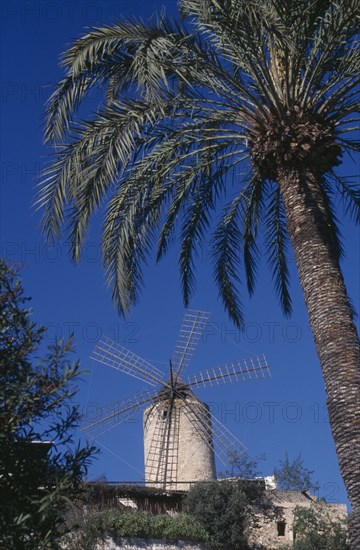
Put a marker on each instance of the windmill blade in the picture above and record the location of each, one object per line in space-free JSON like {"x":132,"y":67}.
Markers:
{"x":213,"y":432}
{"x":225,"y":442}
{"x":253,"y":368}
{"x":154,"y":460}
{"x":117,"y":412}
{"x":161,"y":462}
{"x":116,"y":415}
{"x":117,"y":357}
{"x":190,"y":332}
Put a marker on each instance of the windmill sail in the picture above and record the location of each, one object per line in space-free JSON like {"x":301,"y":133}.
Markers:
{"x":237,"y":371}
{"x":161,"y":460}
{"x":215,"y":434}
{"x":117,"y":412}
{"x":117,"y":357}
{"x":192,"y":328}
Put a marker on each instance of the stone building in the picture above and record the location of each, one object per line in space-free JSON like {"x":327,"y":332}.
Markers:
{"x":275,"y":529}
{"x":271,"y":529}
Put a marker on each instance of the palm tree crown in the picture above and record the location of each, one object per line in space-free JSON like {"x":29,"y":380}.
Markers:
{"x":269,"y":85}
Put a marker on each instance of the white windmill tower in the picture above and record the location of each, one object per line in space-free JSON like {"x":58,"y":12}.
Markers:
{"x":181,"y":437}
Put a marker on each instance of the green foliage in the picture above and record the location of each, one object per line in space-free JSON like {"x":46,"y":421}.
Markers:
{"x":224,"y":509}
{"x":316,"y":529}
{"x":184,"y":526}
{"x":36,"y":486}
{"x":242,"y":465}
{"x":293,"y":476}
{"x":97,"y":525}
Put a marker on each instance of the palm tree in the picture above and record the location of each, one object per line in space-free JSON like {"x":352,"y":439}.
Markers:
{"x":251,"y":100}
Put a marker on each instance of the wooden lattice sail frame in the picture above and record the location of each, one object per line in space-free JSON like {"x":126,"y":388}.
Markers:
{"x":181,"y":437}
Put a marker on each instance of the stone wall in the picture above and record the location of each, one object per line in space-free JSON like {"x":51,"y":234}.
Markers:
{"x":275,"y":529}
{"x":150,"y":544}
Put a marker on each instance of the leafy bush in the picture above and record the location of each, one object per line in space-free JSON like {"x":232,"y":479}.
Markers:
{"x":97,"y":526}
{"x":224,"y":509}
{"x":184,"y":526}
{"x":315,"y":529}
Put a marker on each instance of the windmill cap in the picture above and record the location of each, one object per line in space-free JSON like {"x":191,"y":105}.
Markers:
{"x":180,"y":386}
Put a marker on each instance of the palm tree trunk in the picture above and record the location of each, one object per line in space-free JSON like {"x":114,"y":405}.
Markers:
{"x":331,"y":320}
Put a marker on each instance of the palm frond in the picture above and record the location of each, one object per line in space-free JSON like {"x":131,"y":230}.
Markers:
{"x":86,"y":168}
{"x":193,"y":233}
{"x":119,"y":58}
{"x":277,"y":245}
{"x":226,"y":243}
{"x":238,"y":31}
{"x":330,"y":48}
{"x":349,"y":194}
{"x":127,"y":239}
{"x":252,"y":205}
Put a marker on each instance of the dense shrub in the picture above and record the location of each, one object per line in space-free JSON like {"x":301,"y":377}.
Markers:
{"x":316,"y":529}
{"x":186,"y":527}
{"x":132,"y":524}
{"x":224,"y":509}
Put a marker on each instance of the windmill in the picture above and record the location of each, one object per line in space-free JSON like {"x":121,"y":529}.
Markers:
{"x":181,"y":437}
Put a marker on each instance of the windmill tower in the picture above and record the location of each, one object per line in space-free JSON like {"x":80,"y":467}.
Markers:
{"x":176,"y":447}
{"x":181,"y":437}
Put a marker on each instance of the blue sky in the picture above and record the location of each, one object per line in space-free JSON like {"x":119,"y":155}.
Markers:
{"x":286,"y":413}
